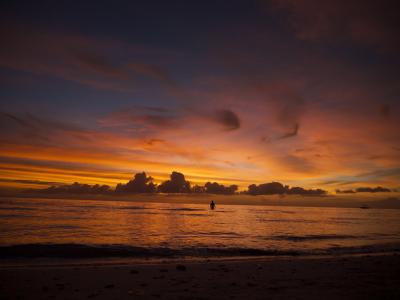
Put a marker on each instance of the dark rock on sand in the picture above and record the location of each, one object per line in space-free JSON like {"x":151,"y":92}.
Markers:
{"x":181,"y":268}
{"x":93,"y":295}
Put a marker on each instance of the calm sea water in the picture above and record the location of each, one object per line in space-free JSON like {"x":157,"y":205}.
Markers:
{"x":86,"y":228}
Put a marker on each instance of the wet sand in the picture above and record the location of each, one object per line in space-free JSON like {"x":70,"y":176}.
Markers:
{"x":344,"y":277}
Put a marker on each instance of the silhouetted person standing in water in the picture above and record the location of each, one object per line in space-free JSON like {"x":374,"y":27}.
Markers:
{"x":212,"y":204}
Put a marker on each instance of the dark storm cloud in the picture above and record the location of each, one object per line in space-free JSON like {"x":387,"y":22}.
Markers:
{"x":228,"y":119}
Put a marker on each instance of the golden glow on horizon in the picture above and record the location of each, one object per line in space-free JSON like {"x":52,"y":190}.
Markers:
{"x":299,"y":108}
{"x":330,"y":151}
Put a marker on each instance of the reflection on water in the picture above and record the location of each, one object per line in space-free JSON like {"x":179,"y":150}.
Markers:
{"x":181,"y":226}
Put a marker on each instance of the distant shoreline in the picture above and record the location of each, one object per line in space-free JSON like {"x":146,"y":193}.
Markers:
{"x":390,"y":201}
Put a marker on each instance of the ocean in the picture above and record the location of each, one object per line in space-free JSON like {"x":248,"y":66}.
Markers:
{"x":61,"y":228}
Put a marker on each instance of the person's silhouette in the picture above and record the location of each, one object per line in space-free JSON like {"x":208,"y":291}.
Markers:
{"x":212,"y":204}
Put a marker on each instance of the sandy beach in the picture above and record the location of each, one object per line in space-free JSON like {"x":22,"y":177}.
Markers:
{"x":340,"y":277}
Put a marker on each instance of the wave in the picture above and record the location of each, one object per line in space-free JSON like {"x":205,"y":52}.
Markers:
{"x":194,"y":215}
{"x":273,"y":210}
{"x":312,"y":237}
{"x":9,"y":216}
{"x":16,"y":208}
{"x":132,"y":207}
{"x":61,"y":226}
{"x":144,"y":213}
{"x":124,"y":251}
{"x":303,"y":221}
{"x":183,"y":209}
{"x":96,"y":251}
{"x":218,"y":234}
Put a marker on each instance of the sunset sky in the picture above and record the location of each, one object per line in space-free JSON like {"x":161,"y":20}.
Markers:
{"x":302,"y":92}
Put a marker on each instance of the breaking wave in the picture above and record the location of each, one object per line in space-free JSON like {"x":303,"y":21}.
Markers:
{"x":104,"y":251}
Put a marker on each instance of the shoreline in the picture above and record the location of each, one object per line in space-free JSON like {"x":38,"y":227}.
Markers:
{"x":97,"y":254}
{"x":386,"y":201}
{"x":335,"y":277}
{"x":126,"y":262}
